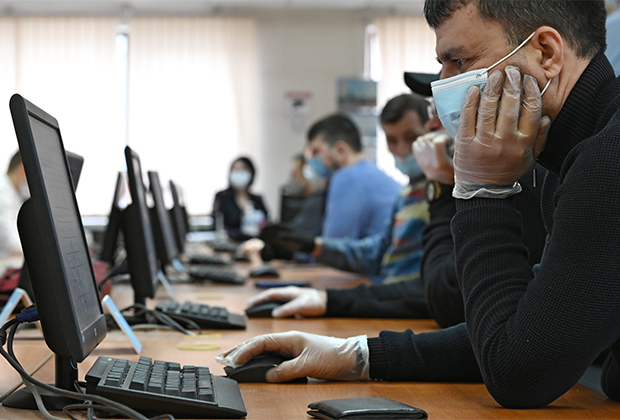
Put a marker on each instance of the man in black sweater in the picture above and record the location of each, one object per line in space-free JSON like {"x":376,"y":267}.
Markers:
{"x":529,"y":334}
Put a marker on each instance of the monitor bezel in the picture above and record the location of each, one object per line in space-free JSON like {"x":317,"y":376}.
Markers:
{"x":113,"y":229}
{"x":178,"y":216}
{"x":138,"y":234}
{"x":42,"y":250}
{"x":163,"y":233}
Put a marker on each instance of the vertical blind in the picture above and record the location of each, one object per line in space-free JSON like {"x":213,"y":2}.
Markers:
{"x":191,"y":88}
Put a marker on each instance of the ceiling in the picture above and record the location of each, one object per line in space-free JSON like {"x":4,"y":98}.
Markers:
{"x":192,"y":7}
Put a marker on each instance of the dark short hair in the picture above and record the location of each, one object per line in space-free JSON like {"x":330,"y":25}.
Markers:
{"x":14,"y":163}
{"x":334,"y":128}
{"x":247,"y":162}
{"x":580,"y":22}
{"x":396,"y":108}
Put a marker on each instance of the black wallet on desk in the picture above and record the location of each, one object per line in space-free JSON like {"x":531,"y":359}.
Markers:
{"x":364,"y":409}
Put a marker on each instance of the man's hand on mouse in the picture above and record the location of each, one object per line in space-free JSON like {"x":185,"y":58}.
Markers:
{"x":299,"y":301}
{"x":314,"y":356}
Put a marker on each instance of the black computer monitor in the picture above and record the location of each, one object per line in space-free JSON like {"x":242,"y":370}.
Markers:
{"x":138,"y":234}
{"x":55,"y":250}
{"x":178,"y":215}
{"x":109,"y":247}
{"x":75,"y":168}
{"x":165,"y":243}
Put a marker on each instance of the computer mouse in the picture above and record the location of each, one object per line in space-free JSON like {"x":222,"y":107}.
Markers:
{"x":264,"y":271}
{"x":263,"y":310}
{"x":256,"y":368}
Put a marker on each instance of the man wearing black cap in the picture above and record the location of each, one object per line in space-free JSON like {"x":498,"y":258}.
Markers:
{"x":435,"y":293}
{"x":530,"y":334}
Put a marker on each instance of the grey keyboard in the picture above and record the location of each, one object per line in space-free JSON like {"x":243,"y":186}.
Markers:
{"x":205,"y":316}
{"x":159,"y":387}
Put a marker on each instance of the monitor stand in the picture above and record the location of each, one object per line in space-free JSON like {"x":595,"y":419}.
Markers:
{"x":66,"y":377}
{"x":166,"y":283}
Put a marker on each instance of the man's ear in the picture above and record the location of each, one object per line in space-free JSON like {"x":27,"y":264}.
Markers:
{"x":342,"y":148}
{"x":550,"y":46}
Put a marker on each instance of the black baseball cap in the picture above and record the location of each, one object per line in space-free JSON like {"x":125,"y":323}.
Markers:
{"x":420,"y":83}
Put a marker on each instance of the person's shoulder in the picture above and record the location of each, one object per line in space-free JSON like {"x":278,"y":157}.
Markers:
{"x":224,"y":194}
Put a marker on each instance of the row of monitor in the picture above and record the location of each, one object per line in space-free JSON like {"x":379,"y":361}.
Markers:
{"x":153,"y":236}
{"x":55,"y":249}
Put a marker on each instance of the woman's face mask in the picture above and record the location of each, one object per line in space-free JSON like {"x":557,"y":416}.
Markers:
{"x":449,"y":94}
{"x":24,"y":191}
{"x":240,"y":179}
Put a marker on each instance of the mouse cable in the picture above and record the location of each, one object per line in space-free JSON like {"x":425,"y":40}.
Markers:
{"x":31,"y":382}
{"x":112,"y":271}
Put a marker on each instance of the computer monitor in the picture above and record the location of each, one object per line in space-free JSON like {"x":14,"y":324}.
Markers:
{"x":75,"y":168}
{"x":111,"y":236}
{"x":55,"y":250}
{"x":165,"y":243}
{"x":138,"y":234}
{"x":178,"y":215}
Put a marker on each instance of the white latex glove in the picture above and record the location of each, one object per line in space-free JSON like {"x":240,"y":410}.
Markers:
{"x":494,"y":149}
{"x":252,"y":248}
{"x":314,"y":356}
{"x":431,"y":153}
{"x":300,"y":301}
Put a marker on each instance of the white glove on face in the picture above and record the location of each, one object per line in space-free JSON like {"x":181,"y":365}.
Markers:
{"x":432,"y":154}
{"x":501,"y":133}
{"x":315,"y":356}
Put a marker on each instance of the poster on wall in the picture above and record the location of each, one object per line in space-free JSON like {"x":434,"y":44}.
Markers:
{"x":358,"y":99}
{"x":298,"y":107}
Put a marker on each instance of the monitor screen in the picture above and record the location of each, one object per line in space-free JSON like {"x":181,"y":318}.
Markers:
{"x":165,"y":242}
{"x":138,"y":234}
{"x":178,"y":216}
{"x":53,"y":240}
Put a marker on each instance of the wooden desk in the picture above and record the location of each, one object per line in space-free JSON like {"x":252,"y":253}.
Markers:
{"x":289,"y":402}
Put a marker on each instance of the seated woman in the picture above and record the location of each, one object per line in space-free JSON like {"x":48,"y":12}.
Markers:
{"x":242,"y":213}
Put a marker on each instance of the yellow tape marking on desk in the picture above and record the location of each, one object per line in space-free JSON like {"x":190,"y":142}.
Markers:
{"x":212,"y":335}
{"x":209,"y":296}
{"x":199,"y":347}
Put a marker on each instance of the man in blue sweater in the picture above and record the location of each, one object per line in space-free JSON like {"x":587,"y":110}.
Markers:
{"x":393,"y":254}
{"x":530,"y":334}
{"x":360,"y":196}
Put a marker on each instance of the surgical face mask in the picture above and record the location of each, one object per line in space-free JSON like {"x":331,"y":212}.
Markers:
{"x":240,"y":179}
{"x":315,"y":181}
{"x":24,"y":191}
{"x":449,"y":94}
{"x":408,"y":165}
{"x":319,"y":168}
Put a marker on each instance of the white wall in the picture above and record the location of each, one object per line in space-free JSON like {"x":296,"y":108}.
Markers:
{"x":299,"y":51}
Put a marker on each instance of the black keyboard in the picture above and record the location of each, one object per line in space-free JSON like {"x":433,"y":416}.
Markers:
{"x":204,"y":315}
{"x":209,"y":259}
{"x":155,"y":388}
{"x":217,"y":274}
{"x":223,"y":245}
